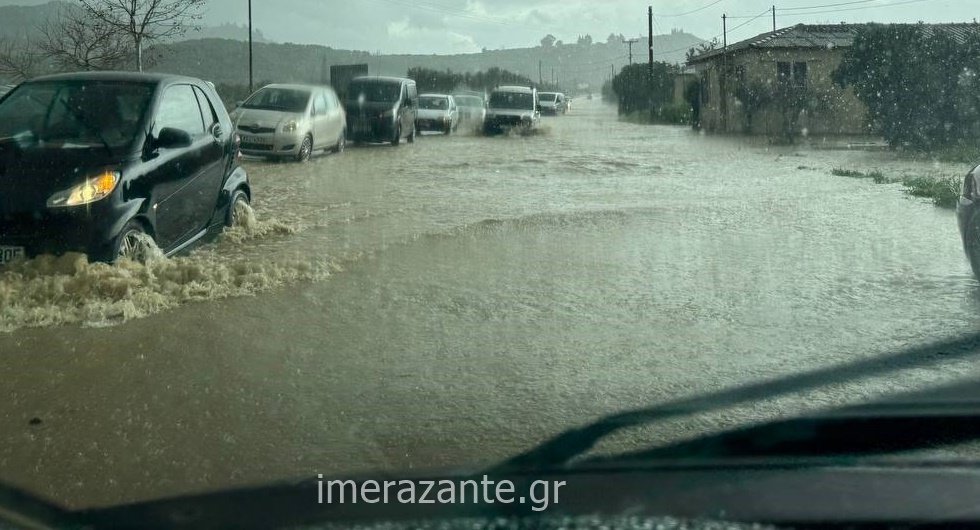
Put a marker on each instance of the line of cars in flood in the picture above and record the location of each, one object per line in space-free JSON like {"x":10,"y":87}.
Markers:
{"x":103,"y":163}
{"x":293,"y":121}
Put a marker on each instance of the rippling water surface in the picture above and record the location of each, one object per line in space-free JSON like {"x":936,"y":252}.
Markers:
{"x":452,"y":302}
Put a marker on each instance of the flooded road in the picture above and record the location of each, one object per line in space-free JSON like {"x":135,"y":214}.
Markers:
{"x":453,"y":302}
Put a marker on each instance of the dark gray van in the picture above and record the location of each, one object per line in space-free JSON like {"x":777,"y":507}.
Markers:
{"x":381,"y":109}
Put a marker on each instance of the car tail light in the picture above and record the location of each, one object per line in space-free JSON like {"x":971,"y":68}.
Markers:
{"x":238,"y":146}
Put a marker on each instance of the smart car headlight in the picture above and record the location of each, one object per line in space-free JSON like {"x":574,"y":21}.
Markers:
{"x":90,"y":190}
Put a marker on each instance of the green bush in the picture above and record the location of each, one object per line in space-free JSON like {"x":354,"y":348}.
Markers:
{"x":944,"y":191}
{"x":877,"y":176}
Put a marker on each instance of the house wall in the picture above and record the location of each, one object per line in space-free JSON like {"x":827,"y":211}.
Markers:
{"x":832,"y":110}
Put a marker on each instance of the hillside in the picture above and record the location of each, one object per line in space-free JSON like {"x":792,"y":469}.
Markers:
{"x":17,"y":22}
{"x":226,"y":61}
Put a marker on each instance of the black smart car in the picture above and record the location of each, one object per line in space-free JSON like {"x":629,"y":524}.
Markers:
{"x":90,"y":162}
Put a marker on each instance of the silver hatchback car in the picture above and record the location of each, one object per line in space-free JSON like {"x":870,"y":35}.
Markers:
{"x":280,"y":121}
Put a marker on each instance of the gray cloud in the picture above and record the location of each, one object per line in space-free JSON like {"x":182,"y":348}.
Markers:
{"x":448,"y":26}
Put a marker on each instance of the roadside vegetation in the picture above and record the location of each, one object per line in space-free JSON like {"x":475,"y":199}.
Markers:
{"x":642,"y":98}
{"x":943,"y":190}
{"x":921,"y":87}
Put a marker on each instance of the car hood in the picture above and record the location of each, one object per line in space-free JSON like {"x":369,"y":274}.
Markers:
{"x":260,"y":118}
{"x":28,"y":177}
{"x":433,"y":114}
{"x":368,"y":107}
{"x":510,"y":112}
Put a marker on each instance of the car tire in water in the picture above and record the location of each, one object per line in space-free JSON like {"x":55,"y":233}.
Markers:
{"x":341,"y":142}
{"x":132,"y":243}
{"x":305,"y":149}
{"x":398,"y":136}
{"x":238,"y":209}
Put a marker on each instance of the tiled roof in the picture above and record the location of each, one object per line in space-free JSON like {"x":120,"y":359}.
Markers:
{"x":825,"y":36}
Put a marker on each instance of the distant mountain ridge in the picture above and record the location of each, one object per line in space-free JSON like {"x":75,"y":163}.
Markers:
{"x":571,"y":65}
{"x":219,"y":54}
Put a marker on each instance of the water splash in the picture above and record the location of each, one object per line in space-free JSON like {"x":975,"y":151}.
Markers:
{"x":68,"y":289}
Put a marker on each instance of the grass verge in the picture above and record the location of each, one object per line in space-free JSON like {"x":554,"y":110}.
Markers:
{"x":943,"y":190}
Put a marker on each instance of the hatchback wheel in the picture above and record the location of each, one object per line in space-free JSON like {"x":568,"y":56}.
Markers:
{"x":341,"y":143}
{"x":305,"y":150}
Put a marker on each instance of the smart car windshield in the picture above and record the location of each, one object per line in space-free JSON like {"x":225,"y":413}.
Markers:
{"x":280,"y":99}
{"x":75,"y":114}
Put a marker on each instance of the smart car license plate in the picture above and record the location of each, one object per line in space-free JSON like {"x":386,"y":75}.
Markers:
{"x":9,"y":254}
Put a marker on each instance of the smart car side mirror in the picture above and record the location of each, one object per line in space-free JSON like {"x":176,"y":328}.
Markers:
{"x":171,"y":138}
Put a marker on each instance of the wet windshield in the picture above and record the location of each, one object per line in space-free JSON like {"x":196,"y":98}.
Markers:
{"x":279,"y":99}
{"x":75,"y":114}
{"x":433,"y":103}
{"x":375,"y":92}
{"x":309,"y":267}
{"x":512,"y":100}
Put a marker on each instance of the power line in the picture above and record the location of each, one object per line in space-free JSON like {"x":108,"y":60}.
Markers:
{"x":691,"y":12}
{"x":893,"y":4}
{"x":801,"y":8}
{"x":797,"y":8}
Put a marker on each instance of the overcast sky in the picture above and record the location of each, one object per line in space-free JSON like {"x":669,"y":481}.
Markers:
{"x":459,"y":26}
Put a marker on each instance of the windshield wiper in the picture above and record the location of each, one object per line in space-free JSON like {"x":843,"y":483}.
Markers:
{"x":560,"y":450}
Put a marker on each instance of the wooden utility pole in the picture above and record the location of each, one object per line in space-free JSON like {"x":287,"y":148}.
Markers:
{"x":630,"y":43}
{"x":773,"y":19}
{"x":650,"y":37}
{"x":251,"y":78}
{"x":540,"y":76}
{"x":723,"y":75}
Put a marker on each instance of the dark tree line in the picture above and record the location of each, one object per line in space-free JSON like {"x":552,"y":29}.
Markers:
{"x":445,"y":81}
{"x":637,"y":90}
{"x":919,"y":83}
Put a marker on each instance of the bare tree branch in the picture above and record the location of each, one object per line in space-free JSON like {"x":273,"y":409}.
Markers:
{"x":19,"y":59}
{"x":146,"y":20}
{"x":78,"y":41}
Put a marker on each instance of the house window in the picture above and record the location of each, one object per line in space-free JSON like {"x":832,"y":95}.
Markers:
{"x":706,"y":89}
{"x":791,"y":73}
{"x":799,"y":75}
{"x":783,"y":72}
